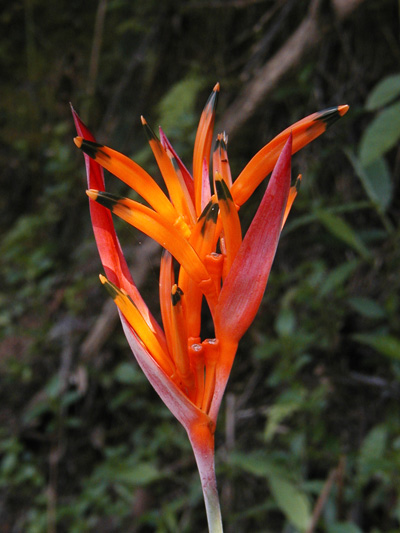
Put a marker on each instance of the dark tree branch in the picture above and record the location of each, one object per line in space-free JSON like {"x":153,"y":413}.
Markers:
{"x":306,"y":37}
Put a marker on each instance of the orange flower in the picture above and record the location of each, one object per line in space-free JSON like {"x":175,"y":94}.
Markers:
{"x":201,"y":231}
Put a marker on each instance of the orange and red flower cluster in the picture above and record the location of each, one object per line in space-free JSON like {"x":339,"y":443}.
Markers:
{"x":197,"y":223}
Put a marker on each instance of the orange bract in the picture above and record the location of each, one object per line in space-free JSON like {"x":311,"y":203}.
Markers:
{"x":201,"y":231}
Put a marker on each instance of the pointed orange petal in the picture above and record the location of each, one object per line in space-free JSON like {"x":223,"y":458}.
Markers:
{"x":165,"y":286}
{"x":202,"y":146}
{"x":227,"y":349}
{"x":132,"y":174}
{"x":205,"y":186}
{"x":203,"y":240}
{"x":146,"y":335}
{"x":203,"y":237}
{"x":291,"y":198}
{"x":230,"y":221}
{"x":172,"y":176}
{"x":170,"y":237}
{"x":187,"y":177}
{"x":196,"y":355}
{"x":111,"y":255}
{"x":214,"y":263}
{"x":220,"y":159}
{"x":211,"y":358}
{"x":180,"y":341}
{"x":194,"y":299}
{"x":304,"y":131}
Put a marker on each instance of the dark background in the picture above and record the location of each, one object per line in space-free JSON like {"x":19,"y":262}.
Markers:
{"x":309,"y":432}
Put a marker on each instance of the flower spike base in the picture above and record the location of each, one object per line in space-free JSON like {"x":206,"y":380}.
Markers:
{"x":202,"y":441}
{"x":197,"y":223}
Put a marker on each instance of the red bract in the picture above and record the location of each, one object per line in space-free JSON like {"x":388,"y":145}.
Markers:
{"x":201,"y":231}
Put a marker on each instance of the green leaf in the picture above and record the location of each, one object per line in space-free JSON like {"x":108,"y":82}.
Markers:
{"x":384,"y":92}
{"x":338,"y":276}
{"x":257,"y":464}
{"x":371,"y":453}
{"x":285,"y":323}
{"x":376,"y":180}
{"x":343,"y":231}
{"x":286,"y":405}
{"x":177,"y":107}
{"x":135,"y":475}
{"x":127,"y":373}
{"x":139,"y":475}
{"x":381,"y":135}
{"x":367,"y":307}
{"x":387,"y":345}
{"x":292,"y":502}
{"x":373,"y":446}
{"x":379,"y":177}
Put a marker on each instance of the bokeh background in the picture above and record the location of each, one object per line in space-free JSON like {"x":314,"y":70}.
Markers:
{"x":309,"y":432}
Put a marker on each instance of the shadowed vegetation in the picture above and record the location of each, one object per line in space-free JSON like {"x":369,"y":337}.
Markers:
{"x":308,"y":436}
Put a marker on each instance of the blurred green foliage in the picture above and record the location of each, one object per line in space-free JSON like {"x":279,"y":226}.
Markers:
{"x":310,"y":430}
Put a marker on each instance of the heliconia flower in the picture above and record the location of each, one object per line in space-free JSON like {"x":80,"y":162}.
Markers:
{"x":199,"y":229}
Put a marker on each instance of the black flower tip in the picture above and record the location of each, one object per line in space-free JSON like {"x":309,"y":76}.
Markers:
{"x":88,"y":147}
{"x":222,"y":190}
{"x":176,"y":295}
{"x":331,"y":115}
{"x":105,"y":199}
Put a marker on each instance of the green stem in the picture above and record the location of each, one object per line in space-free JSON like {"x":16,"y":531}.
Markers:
{"x":202,"y":439}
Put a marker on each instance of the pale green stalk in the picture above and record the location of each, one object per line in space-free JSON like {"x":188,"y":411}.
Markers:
{"x":202,"y":439}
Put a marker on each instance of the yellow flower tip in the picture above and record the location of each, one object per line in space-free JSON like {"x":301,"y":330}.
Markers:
{"x":342,"y":109}
{"x":93,"y":194}
{"x":151,"y":136}
{"x":78,"y":141}
{"x":112,"y":289}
